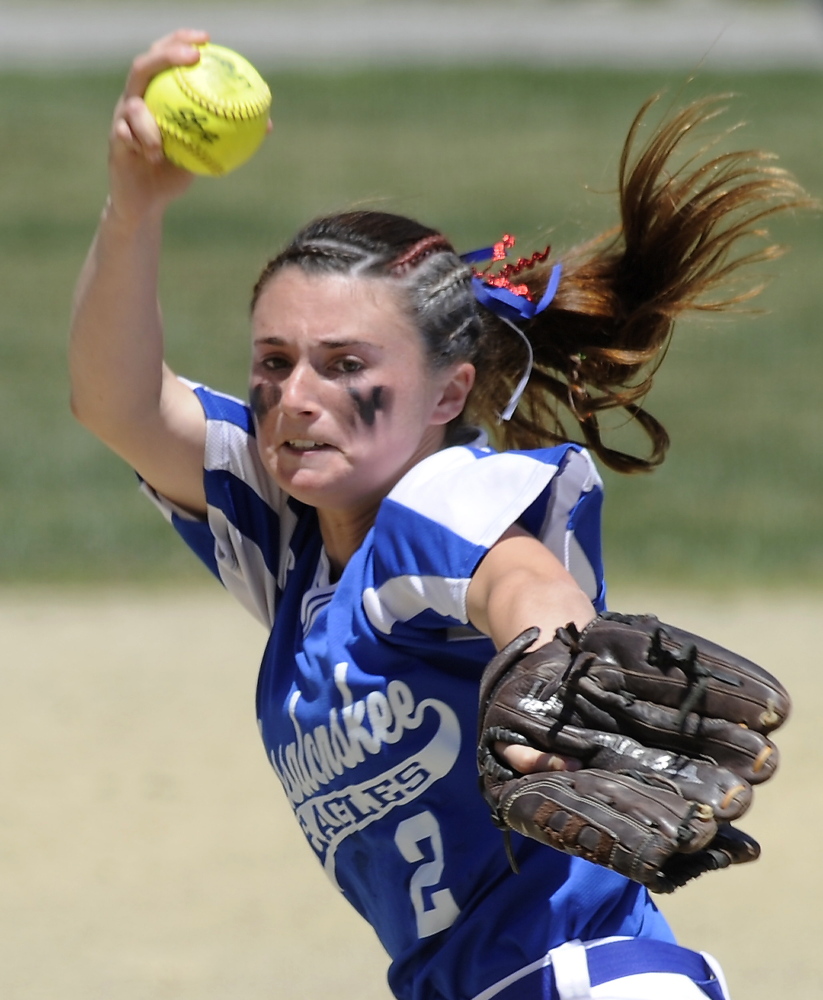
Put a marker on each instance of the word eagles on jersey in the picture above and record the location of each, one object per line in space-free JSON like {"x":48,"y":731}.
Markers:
{"x":314,"y":760}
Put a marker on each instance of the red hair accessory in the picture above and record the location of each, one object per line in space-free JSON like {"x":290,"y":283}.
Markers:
{"x":501,"y":250}
{"x":503,"y":279}
{"x":499,"y":293}
{"x":415,"y":253}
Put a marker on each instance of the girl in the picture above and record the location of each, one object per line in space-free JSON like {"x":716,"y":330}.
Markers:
{"x":357,"y":508}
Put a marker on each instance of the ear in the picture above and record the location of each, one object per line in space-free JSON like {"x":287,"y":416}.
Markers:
{"x":455,"y":390}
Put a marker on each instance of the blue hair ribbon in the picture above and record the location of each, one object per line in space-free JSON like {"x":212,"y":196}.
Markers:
{"x":484,"y":253}
{"x":511,"y":307}
{"x":503,"y":301}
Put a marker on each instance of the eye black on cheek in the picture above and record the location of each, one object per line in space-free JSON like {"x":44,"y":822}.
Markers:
{"x":367,"y":408}
{"x":264,"y":398}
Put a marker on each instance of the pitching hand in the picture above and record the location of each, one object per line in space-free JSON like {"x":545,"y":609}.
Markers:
{"x":141,"y":180}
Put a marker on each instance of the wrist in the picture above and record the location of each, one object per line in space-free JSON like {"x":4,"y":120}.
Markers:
{"x":128,"y":222}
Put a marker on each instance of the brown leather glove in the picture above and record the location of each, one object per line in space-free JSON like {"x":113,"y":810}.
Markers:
{"x":670,"y":729}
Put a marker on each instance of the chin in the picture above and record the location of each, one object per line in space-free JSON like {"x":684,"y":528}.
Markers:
{"x":346,"y":498}
{"x":310,"y":489}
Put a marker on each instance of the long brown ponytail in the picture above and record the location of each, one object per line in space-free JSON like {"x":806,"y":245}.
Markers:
{"x":601,"y":339}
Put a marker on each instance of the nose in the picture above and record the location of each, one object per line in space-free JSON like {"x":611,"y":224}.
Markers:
{"x":299,"y":391}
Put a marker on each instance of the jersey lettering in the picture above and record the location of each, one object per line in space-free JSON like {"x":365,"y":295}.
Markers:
{"x":308,"y":764}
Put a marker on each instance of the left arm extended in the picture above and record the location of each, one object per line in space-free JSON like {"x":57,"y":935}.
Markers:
{"x":655,"y":735}
{"x":519,"y":584}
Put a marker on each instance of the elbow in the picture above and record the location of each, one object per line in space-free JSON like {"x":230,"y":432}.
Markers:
{"x":81,"y":411}
{"x":95,"y":419}
{"x":77,"y":409}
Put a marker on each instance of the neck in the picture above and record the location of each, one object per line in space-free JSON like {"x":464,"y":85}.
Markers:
{"x":344,"y":528}
{"x":343,"y":533}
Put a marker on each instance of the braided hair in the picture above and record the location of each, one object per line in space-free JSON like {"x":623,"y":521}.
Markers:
{"x":598,"y":344}
{"x":381,"y":245}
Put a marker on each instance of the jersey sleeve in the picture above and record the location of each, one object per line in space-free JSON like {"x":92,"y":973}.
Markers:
{"x":250,"y":524}
{"x":446,"y":513}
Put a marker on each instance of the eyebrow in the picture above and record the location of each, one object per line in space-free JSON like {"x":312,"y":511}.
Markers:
{"x":330,"y":343}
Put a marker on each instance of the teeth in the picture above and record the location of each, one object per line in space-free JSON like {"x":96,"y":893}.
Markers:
{"x":304,"y":445}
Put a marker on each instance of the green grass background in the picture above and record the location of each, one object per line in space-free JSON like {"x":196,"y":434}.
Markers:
{"x":476,"y":152}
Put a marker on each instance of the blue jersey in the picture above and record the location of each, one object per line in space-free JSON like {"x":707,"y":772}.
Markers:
{"x":367,"y":699}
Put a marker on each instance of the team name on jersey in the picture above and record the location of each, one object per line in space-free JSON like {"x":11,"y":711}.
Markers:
{"x":358,"y":729}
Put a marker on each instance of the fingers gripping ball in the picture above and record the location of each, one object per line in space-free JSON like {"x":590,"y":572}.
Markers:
{"x":213,"y":115}
{"x":671,"y":732}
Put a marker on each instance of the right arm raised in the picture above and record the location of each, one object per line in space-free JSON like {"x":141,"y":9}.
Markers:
{"x":121,"y":389}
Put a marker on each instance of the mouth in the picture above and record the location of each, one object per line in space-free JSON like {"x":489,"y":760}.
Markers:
{"x":304,"y":445}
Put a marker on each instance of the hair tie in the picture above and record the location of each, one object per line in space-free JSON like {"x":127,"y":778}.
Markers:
{"x":498,"y":293}
{"x":510,"y":302}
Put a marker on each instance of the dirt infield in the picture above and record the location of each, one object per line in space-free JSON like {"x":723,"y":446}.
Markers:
{"x":146,"y":850}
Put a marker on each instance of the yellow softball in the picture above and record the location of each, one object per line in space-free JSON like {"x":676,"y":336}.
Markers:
{"x":213,"y":115}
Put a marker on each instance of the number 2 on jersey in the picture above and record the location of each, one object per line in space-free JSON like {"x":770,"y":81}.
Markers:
{"x":441,"y":911}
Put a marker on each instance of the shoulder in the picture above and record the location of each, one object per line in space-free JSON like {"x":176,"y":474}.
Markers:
{"x":477,"y":493}
{"x":441,"y":519}
{"x":232,"y":466}
{"x":251,"y":537}
{"x":219,"y":406}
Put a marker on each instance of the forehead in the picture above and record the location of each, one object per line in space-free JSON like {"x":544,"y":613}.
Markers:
{"x":297,"y":304}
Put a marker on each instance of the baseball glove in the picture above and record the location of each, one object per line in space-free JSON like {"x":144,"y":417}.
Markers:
{"x":670,"y":732}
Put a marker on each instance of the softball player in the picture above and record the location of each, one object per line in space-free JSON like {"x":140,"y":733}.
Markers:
{"x":356,"y":508}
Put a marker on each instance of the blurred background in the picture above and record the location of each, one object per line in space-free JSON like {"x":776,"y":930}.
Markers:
{"x":479,"y":118}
